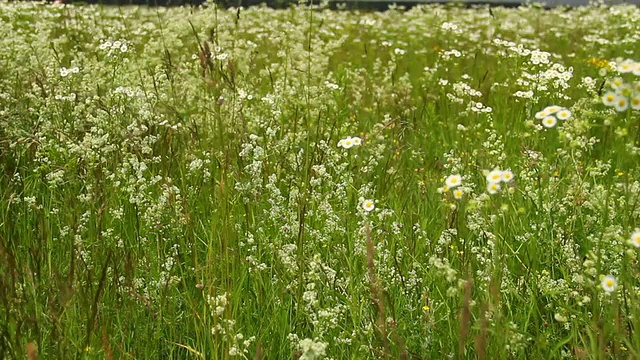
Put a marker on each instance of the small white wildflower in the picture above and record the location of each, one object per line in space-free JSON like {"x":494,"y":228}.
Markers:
{"x":458,"y":193}
{"x":563,"y":114}
{"x":609,"y":283}
{"x":453,"y":180}
{"x":626,"y":66}
{"x":552,"y":109}
{"x":616,"y":83}
{"x":635,"y":102}
{"x":493,"y":188}
{"x":541,"y":114}
{"x":368,"y":205}
{"x":494,"y":176}
{"x":507,"y":175}
{"x":609,"y":98}
{"x":635,"y":239}
{"x":347,"y":143}
{"x":621,"y":103}
{"x":549,"y":121}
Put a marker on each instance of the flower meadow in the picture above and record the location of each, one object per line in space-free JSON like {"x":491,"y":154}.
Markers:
{"x":442,"y":182}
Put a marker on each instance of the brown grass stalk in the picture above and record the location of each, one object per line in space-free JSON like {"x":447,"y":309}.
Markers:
{"x":465,"y":318}
{"x":377,"y":297}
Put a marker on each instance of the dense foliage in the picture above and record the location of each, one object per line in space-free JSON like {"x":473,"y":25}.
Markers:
{"x":442,"y":182}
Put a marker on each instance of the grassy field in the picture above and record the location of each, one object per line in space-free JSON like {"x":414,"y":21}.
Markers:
{"x":200,"y":183}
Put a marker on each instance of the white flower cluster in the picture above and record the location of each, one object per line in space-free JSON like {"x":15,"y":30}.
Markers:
{"x":332,"y":86}
{"x":115,"y":47}
{"x":629,"y":66}
{"x":622,"y":95}
{"x":449,"y":26}
{"x":524,"y":94}
{"x":446,"y":55}
{"x":588,"y":82}
{"x":478,"y":107}
{"x":70,"y":97}
{"x":64,"y":72}
{"x":536,"y":56}
{"x":225,"y":327}
{"x":556,"y":76}
{"x":130,"y":92}
{"x":495,"y":177}
{"x":453,"y":182}
{"x":551,"y":114}
{"x":539,"y":57}
{"x":310,"y":349}
{"x":349,"y":142}
{"x":462,"y":89}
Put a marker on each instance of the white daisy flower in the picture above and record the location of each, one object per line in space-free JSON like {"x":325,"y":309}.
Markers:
{"x":635,"y":239}
{"x":494,"y":176}
{"x":549,"y":121}
{"x":368,"y":205}
{"x":349,"y":142}
{"x":621,"y":103}
{"x":552,"y":109}
{"x":609,"y":283}
{"x":563,"y":114}
{"x":493,"y":188}
{"x":626,"y":66}
{"x":457,"y":193}
{"x":635,"y":102}
{"x":609,"y":98}
{"x":616,"y":83}
{"x":541,"y":114}
{"x":452,"y":181}
{"x":507,"y":175}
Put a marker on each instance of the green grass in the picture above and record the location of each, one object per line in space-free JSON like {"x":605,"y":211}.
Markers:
{"x":184,"y":196}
